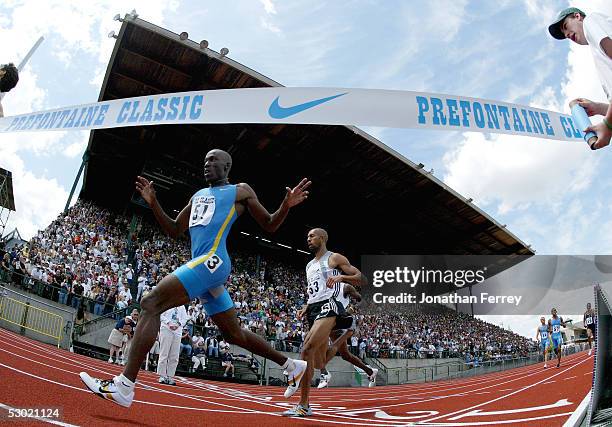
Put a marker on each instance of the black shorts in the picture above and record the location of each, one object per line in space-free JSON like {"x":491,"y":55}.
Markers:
{"x":346,"y":322}
{"x":322,"y":309}
{"x":591,"y":327}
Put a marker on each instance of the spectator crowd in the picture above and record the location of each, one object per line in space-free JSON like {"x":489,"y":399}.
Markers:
{"x":96,"y":259}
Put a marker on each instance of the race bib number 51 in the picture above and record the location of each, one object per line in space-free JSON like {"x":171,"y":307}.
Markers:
{"x":202,"y":210}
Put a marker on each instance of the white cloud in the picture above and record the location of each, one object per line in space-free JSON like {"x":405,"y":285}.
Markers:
{"x":72,"y":31}
{"x":75,"y":149}
{"x":268,"y":6}
{"x":38,"y":199}
{"x":268,"y":25}
{"x":513,"y":172}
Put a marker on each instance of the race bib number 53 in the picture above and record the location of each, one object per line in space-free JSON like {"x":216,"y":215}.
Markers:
{"x":202,"y":210}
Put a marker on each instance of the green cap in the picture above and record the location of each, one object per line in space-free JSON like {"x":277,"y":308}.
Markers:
{"x":555,"y":28}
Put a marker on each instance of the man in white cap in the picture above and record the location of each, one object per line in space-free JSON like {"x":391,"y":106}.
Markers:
{"x":594,"y":30}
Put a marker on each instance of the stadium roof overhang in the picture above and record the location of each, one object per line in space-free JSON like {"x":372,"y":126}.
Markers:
{"x":371,"y":199}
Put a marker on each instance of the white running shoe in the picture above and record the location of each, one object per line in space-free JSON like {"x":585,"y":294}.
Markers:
{"x":325,"y":379}
{"x":372,"y":377}
{"x":107,"y":389}
{"x":590,"y":351}
{"x":294,"y":377}
{"x":546,"y":366}
{"x":298,"y":411}
{"x":110,"y":360}
{"x":162,"y":380}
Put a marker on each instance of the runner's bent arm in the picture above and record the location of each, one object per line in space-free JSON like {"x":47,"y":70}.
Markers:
{"x":351,"y":274}
{"x":172,"y":227}
{"x":271,"y":222}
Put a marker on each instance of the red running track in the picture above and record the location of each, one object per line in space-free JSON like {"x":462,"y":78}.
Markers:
{"x":35,"y":375}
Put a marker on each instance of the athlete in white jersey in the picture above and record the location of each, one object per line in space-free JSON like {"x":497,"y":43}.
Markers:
{"x":589,"y":323}
{"x":317,"y":272}
{"x":323,"y":272}
{"x":346,"y":326}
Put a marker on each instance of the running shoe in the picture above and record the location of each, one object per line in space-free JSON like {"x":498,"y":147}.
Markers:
{"x":590,"y":351}
{"x":298,"y":411}
{"x":163,"y":380}
{"x":372,"y":377}
{"x":107,"y":389}
{"x":170,"y":381}
{"x":294,"y":377}
{"x":325,"y":379}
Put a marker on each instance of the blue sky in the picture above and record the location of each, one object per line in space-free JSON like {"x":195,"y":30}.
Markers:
{"x":552,"y":195}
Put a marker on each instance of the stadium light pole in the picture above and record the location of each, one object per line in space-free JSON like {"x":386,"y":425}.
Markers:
{"x":76,"y":180}
{"x":25,"y":60}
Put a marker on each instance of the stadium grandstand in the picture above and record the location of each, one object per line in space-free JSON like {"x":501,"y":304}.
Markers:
{"x":97,"y":252}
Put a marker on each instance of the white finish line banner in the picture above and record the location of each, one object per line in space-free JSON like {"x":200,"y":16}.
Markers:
{"x":327,"y":106}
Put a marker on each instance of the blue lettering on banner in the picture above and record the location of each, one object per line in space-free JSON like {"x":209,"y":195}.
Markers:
{"x":453,"y":117}
{"x":536,"y":123}
{"x":503,"y":110}
{"x":161,"y":112}
{"x":13,"y":123}
{"x":70,"y":122}
{"x":492,"y":118}
{"x":52,"y":119}
{"x":438,"y":115}
{"x":566,"y":128}
{"x":43,"y":122}
{"x":147,"y":114}
{"x":471,"y":114}
{"x":527,"y":127}
{"x":123,"y":112}
{"x":576,"y":132}
{"x":174,"y":102}
{"x":29,"y":121}
{"x":518,"y":126}
{"x":134,"y":115}
{"x":158,"y":110}
{"x":465,"y":112}
{"x":78,"y":121}
{"x":196,"y":107}
{"x":91,"y":112}
{"x":547,"y":126}
{"x":103,"y":110}
{"x":185,"y":105}
{"x":423,"y":106}
{"x":478,"y":115}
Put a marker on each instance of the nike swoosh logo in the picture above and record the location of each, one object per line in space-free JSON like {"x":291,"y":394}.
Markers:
{"x":277,"y":112}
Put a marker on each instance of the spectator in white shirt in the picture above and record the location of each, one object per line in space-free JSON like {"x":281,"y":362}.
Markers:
{"x":142,"y":282}
{"x":126,"y":294}
{"x":196,"y":339}
{"x":129,"y":273}
{"x":172,"y":321}
{"x":199,"y":353}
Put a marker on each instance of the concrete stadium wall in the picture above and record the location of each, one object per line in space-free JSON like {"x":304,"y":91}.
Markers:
{"x":67,"y":314}
{"x":99,"y":334}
